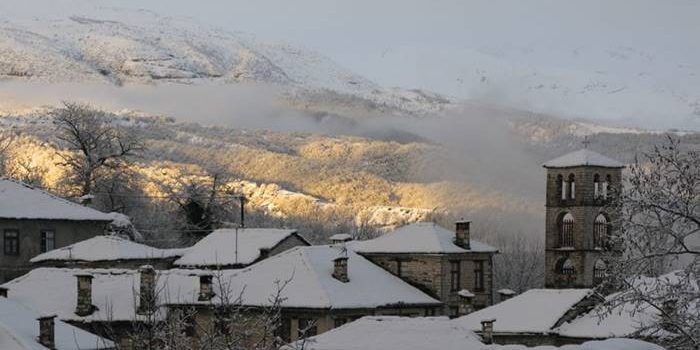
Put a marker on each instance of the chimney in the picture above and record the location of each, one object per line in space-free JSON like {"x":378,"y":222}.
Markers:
{"x":340,"y":269}
{"x":462,"y":234}
{"x":3,"y":292}
{"x":147,"y":289}
{"x":505,"y":294}
{"x":46,"y":331}
{"x":466,"y":299}
{"x":487,"y":331}
{"x":84,"y":306}
{"x":206,"y":291}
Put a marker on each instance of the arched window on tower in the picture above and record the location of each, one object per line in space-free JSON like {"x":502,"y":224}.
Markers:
{"x":596,"y":186}
{"x":600,"y":230}
{"x":572,"y":187}
{"x":606,"y":186}
{"x":561,"y":187}
{"x":599,"y":269}
{"x":566,"y":267}
{"x":566,"y":231}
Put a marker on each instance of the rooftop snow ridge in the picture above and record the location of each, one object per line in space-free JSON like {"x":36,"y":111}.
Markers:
{"x":583,"y":157}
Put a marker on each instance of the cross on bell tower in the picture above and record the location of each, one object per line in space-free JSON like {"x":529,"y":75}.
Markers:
{"x":579,"y":185}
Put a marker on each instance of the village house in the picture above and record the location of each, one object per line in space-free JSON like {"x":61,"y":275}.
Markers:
{"x":449,"y":266}
{"x":221,"y":249}
{"x":237,"y":248}
{"x":33,"y":221}
{"x":421,"y":333}
{"x":108,"y":251}
{"x":25,"y":329}
{"x":324,"y":287}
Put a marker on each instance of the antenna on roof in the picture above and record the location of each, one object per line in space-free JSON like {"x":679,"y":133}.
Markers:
{"x":586,"y":141}
{"x":242,"y":200}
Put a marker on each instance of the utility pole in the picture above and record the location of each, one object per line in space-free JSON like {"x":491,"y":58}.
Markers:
{"x":242,"y":200}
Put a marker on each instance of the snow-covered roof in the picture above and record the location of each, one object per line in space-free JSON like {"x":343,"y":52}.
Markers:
{"x":506,"y":291}
{"x":20,"y":201}
{"x":340,"y":237}
{"x":106,"y":248}
{"x":311,"y":284}
{"x":583,"y":157}
{"x":421,"y":333}
{"x":392,"y":332}
{"x":114,"y":291}
{"x":422,"y":237}
{"x":225,"y":247}
{"x":534,"y":311}
{"x":19,"y":330}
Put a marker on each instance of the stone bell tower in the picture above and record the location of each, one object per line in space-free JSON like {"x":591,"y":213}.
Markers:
{"x":579,"y":184}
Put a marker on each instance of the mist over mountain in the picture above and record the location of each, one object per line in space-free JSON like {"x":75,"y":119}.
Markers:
{"x":296,"y":127}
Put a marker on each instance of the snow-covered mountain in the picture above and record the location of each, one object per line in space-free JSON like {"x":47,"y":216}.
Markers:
{"x":119,"y":46}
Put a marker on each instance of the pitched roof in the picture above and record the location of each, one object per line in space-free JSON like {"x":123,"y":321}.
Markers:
{"x":114,"y":291}
{"x":225,"y":247}
{"x":420,"y":333}
{"x":19,"y":330}
{"x":20,"y":201}
{"x":422,"y":237}
{"x":106,"y":248}
{"x":583,"y":157}
{"x":535,"y":311}
{"x":392,"y":332}
{"x":311,"y":284}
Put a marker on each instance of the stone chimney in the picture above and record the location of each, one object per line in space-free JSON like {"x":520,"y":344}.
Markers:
{"x":462,"y":237}
{"x":505,"y":294}
{"x":340,"y":269}
{"x":3,"y":292}
{"x":84,"y":306}
{"x":466,"y":302}
{"x":46,"y":331}
{"x":487,"y":331}
{"x":206,"y":290}
{"x":147,"y":289}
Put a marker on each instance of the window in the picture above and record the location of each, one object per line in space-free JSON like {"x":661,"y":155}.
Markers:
{"x":48,"y":240}
{"x":284,"y":329}
{"x":561,"y":189}
{"x":11,"y":242}
{"x":566,"y":231}
{"x":599,"y":271}
{"x":399,"y":268}
{"x":606,"y":186}
{"x":454,"y":311}
{"x":455,"y":275}
{"x":478,"y":275}
{"x":600,"y":230}
{"x":572,"y":187}
{"x":307,"y":327}
{"x":340,"y":321}
{"x":566,"y":267}
{"x":596,"y":186}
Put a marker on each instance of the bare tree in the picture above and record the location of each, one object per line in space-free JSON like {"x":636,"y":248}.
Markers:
{"x":6,"y":141}
{"x":94,"y":143}
{"x":659,"y":232}
{"x":520,"y":263}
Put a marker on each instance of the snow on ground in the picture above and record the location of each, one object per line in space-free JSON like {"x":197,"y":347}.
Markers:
{"x":106,"y":248}
{"x":21,"y":201}
{"x":19,"y":330}
{"x":229,"y":247}
{"x":422,"y":237}
{"x":311,"y":284}
{"x":535,"y":311}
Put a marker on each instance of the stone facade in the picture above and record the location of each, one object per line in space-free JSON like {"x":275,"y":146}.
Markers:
{"x":431,"y":273}
{"x":584,"y":207}
{"x":65,"y":232}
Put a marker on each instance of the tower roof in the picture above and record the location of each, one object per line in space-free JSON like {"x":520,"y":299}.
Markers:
{"x":583,"y":157}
